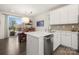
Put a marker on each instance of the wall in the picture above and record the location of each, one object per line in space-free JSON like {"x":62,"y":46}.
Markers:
{"x":33,"y":20}
{"x":6,"y":27}
{"x":3,"y":25}
{"x":66,"y":27}
{"x":46,"y":19}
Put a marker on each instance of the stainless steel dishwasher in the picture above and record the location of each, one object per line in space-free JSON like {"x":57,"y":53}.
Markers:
{"x":48,"y":45}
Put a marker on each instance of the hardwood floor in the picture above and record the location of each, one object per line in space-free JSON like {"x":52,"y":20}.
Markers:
{"x":12,"y":46}
{"x":62,"y":50}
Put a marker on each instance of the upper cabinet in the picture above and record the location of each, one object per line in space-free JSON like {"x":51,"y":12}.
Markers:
{"x":64,"y":15}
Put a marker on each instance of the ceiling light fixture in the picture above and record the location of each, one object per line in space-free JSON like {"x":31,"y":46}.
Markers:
{"x":25,"y":20}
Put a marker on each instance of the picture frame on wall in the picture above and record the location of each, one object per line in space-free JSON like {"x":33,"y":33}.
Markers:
{"x":40,"y":23}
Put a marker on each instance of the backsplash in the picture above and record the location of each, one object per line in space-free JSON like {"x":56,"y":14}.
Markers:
{"x":66,"y":27}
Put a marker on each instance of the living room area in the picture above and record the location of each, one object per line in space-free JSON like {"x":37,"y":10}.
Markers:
{"x":12,"y":36}
{"x":19,"y":24}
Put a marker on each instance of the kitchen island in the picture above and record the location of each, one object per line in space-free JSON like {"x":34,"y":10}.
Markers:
{"x":36,"y":43}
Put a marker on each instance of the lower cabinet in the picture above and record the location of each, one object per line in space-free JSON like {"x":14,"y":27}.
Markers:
{"x":70,"y":39}
{"x":56,"y":40}
{"x":75,"y":40}
{"x":65,"y":38}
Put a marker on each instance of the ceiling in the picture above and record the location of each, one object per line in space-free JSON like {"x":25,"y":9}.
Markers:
{"x":27,"y":9}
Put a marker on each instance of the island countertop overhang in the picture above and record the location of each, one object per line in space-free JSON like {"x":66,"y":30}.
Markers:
{"x":39,"y":34}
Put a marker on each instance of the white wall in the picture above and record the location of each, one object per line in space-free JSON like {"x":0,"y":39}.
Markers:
{"x":3,"y":25}
{"x":6,"y":27}
{"x":45,"y":17}
{"x":33,"y":21}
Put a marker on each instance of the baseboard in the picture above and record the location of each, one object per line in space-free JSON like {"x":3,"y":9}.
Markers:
{"x":69,"y":47}
{"x":4,"y":38}
{"x":65,"y":47}
{"x":56,"y":48}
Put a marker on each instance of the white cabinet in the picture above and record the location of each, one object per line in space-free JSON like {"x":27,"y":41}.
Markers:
{"x":71,"y":14}
{"x":56,"y":40}
{"x":32,"y":45}
{"x":64,"y":15}
{"x":63,"y":38}
{"x":52,"y":18}
{"x":66,"y":39}
{"x":75,"y":40}
{"x":55,"y":17}
{"x":55,"y":43}
{"x":69,"y":39}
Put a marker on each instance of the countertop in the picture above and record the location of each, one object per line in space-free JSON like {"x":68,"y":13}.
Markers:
{"x":38,"y":33}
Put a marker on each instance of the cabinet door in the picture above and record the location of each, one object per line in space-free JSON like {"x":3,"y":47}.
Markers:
{"x":66,"y":39}
{"x":61,"y":15}
{"x":55,"y":43}
{"x":71,"y":14}
{"x":63,"y":36}
{"x":65,"y":15}
{"x":52,"y":17}
{"x":55,"y":17}
{"x":56,"y":40}
{"x":75,"y":40}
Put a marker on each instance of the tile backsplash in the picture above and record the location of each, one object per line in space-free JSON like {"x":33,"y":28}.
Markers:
{"x":67,"y":27}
